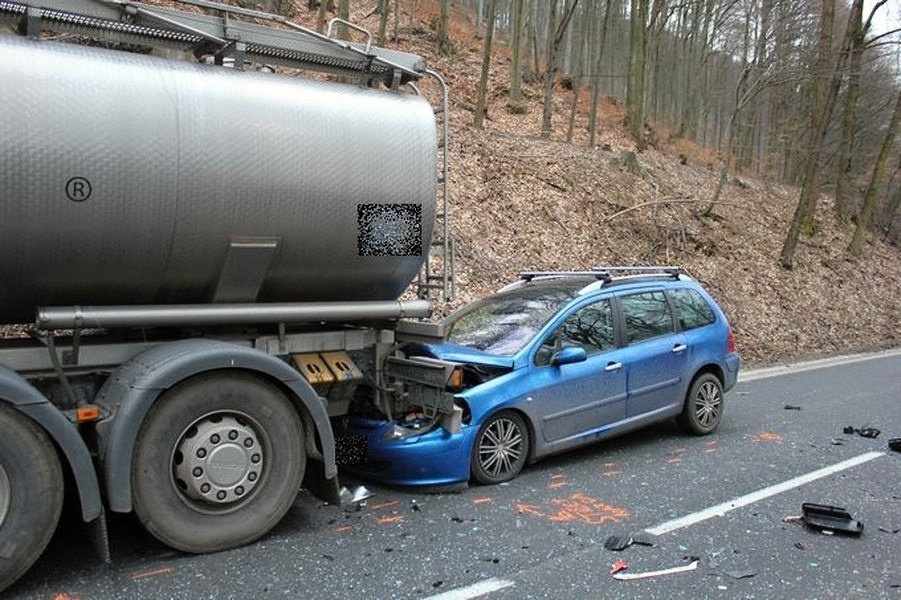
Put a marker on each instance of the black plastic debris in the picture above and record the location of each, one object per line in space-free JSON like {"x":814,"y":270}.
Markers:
{"x":822,"y":517}
{"x":621,"y":542}
{"x":792,"y":407}
{"x":741,"y":574}
{"x":895,"y":444}
{"x":867,"y":432}
{"x":617,"y":542}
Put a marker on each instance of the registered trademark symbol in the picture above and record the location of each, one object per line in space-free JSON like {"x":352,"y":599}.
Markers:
{"x":78,"y":189}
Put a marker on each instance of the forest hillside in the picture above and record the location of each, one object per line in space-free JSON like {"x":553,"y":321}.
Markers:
{"x":520,"y":202}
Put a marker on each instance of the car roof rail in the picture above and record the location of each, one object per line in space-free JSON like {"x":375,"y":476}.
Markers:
{"x":608,"y":273}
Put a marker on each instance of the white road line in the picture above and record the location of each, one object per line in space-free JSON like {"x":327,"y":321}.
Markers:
{"x":475,"y":590}
{"x":772,"y":490}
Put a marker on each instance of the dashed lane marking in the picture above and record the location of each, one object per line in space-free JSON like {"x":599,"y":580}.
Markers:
{"x":475,"y":590}
{"x":721,"y":509}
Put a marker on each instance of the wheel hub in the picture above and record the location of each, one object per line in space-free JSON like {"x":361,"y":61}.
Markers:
{"x":219,"y":460}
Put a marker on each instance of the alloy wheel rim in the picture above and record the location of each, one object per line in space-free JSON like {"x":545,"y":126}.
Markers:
{"x":500,"y":447}
{"x":707,"y":404}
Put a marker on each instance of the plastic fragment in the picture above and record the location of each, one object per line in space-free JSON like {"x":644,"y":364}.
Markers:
{"x":618,"y":566}
{"x":681,"y":569}
{"x":355,"y":497}
{"x":895,"y":444}
{"x":830,"y":519}
{"x":743,"y":574}
{"x":867,"y":432}
{"x":617,"y":542}
{"x":792,"y":407}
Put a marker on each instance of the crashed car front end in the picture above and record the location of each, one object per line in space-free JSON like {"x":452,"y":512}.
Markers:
{"x":429,"y":438}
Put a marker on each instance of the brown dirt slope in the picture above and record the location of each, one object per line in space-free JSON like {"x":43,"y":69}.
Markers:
{"x":520,"y":203}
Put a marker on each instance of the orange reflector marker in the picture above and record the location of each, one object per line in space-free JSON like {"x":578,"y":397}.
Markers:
{"x":87,"y":413}
{"x":455,"y":382}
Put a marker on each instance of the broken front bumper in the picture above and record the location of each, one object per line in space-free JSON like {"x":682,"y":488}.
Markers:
{"x":434,"y":458}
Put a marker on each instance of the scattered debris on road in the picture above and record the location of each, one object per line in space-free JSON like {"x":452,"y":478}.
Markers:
{"x":867,"y":432}
{"x":672,"y":570}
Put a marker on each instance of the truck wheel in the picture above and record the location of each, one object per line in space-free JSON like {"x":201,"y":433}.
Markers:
{"x":218,"y":462}
{"x":31,"y":493}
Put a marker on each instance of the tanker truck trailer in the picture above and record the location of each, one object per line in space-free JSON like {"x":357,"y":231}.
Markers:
{"x":210,"y":260}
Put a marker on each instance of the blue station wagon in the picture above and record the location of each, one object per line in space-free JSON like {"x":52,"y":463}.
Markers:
{"x":555,"y":361}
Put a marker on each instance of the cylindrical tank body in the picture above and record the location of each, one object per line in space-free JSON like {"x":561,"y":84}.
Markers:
{"x":127,"y":179}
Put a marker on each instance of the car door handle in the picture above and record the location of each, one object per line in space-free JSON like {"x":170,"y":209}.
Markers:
{"x":679,"y":348}
{"x":613,"y":366}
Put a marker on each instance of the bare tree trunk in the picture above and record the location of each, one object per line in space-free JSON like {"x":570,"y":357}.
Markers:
{"x":804,"y":212}
{"x":637,"y":62}
{"x":550,"y":73}
{"x":320,"y":16}
{"x":444,"y":43}
{"x":383,"y":9}
{"x":516,"y":43}
{"x":481,"y":102}
{"x":581,"y":62}
{"x":869,"y":201}
{"x":596,"y":75}
{"x":855,"y":21}
{"x":555,"y":36}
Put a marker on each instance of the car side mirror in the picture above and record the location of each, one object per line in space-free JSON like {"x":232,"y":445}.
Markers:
{"x":570,"y":355}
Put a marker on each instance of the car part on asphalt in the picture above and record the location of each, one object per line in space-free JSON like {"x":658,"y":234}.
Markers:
{"x":680,"y":569}
{"x":824,"y":518}
{"x":867,"y":432}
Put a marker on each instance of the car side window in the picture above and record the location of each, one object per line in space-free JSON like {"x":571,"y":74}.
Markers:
{"x":590,"y":327}
{"x":647,"y":315}
{"x":694,"y":311}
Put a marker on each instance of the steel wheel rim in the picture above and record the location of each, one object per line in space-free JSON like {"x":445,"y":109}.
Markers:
{"x":5,"y":494}
{"x":500,"y":447}
{"x":708,"y":403}
{"x":225,"y":493}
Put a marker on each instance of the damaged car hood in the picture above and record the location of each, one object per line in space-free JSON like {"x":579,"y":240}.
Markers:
{"x":460,"y":354}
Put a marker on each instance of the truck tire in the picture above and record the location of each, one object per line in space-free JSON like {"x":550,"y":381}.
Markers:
{"x":31,"y":493}
{"x":218,"y":462}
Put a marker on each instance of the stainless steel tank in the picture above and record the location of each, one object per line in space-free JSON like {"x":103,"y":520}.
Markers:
{"x":129,"y":179}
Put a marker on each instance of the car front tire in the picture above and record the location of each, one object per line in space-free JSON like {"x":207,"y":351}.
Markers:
{"x":501,"y":448}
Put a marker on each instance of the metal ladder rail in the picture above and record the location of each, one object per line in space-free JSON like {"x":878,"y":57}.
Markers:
{"x":440,"y":277}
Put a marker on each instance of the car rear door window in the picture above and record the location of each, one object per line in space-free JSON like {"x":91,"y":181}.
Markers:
{"x":647,"y":315}
{"x":694,"y":311}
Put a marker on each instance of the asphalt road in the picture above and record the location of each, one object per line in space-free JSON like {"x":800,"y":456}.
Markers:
{"x":725,"y":501}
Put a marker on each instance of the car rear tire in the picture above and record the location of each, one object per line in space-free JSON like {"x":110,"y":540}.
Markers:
{"x":501,"y":448}
{"x":31,"y":493}
{"x":703,"y":408}
{"x":218,"y":462}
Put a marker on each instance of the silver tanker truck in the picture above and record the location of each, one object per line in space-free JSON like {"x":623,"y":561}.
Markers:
{"x":211,"y":257}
